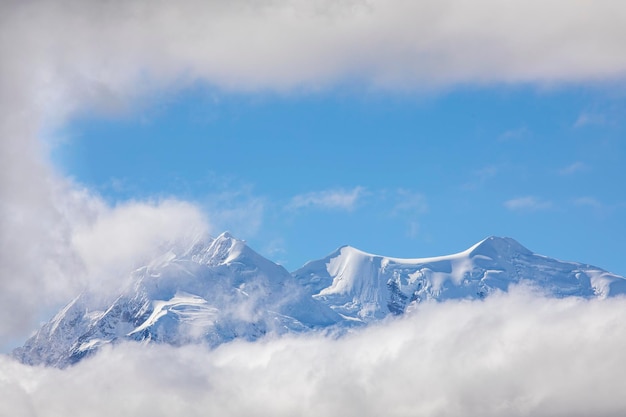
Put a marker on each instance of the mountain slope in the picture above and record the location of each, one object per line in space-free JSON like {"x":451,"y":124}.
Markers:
{"x":366,"y":287}
{"x":220,"y":289}
{"x":213,"y":292}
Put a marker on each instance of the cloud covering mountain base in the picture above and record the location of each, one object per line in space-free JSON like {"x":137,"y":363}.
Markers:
{"x":512,"y":354}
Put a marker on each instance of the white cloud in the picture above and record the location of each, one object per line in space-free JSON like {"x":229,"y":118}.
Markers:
{"x":38,"y":267}
{"x":587,"y":119}
{"x":510,"y":355}
{"x":67,"y":56}
{"x":573,"y":168}
{"x":410,"y":205}
{"x":589,"y":202}
{"x":275,"y":249}
{"x":290,"y":43}
{"x":413,"y":229}
{"x":410,"y":201}
{"x":515,"y":134}
{"x":125,"y":237}
{"x":238,"y":211}
{"x":527,"y":203}
{"x":486,"y":173}
{"x":69,"y":239}
{"x":480,"y":177}
{"x":337,"y":199}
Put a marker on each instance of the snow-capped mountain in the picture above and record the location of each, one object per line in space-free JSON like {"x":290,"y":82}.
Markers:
{"x":220,"y":289}
{"x":365,"y":287}
{"x":213,"y":292}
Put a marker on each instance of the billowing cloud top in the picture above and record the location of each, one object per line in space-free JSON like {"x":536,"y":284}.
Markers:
{"x":515,"y":354}
{"x":110,"y":49}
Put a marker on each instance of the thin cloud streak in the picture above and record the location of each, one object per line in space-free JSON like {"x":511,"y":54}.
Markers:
{"x":518,"y":134}
{"x":527,"y":203}
{"x":573,"y":168}
{"x":336,"y":199}
{"x":410,"y":205}
{"x":481,"y":177}
{"x":590,"y":119}
{"x":589,"y":202}
{"x":409,"y":201}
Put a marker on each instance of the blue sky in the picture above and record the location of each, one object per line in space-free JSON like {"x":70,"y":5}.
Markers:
{"x":401,"y":174}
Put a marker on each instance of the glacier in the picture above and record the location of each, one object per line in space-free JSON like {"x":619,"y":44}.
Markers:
{"x":365,"y":287}
{"x":215,"y":291}
{"x":219,"y":289}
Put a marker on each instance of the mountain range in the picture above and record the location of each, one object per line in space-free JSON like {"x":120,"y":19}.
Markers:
{"x":219,"y":289}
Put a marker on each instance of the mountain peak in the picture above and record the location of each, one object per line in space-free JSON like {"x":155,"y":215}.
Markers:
{"x":367,"y":287}
{"x":498,"y":247}
{"x":221,"y":289}
{"x":221,"y":250}
{"x":351,"y":250}
{"x":226,"y":235}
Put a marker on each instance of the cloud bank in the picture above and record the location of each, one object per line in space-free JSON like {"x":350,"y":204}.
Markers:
{"x":246,"y":45}
{"x":511,"y":355}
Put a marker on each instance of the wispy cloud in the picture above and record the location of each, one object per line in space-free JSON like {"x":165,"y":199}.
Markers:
{"x":515,"y":134}
{"x":573,"y":168}
{"x":480,"y":177}
{"x":335,"y":199}
{"x":589,"y":202}
{"x":275,"y":250}
{"x":119,"y":238}
{"x":527,"y":203}
{"x":588,"y":119}
{"x":410,"y":205}
{"x":413,"y":229}
{"x":598,"y":207}
{"x":238,"y":211}
{"x":87,"y":243}
{"x":410,"y":202}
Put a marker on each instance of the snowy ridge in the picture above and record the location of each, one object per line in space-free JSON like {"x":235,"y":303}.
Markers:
{"x":219,"y":289}
{"x":214,"y":292}
{"x":367,"y":287}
